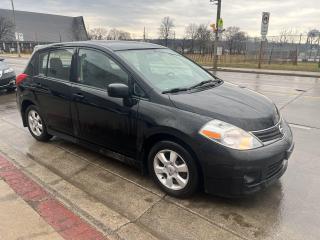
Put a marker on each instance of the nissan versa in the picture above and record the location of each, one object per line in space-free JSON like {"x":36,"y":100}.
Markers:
{"x":148,"y":106}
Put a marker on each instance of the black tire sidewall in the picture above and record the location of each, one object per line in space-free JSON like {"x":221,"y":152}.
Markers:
{"x":11,"y":89}
{"x":44,"y":136}
{"x":193,"y":182}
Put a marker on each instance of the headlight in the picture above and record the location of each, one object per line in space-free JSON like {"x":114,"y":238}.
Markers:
{"x":229,"y":135}
{"x":8,"y":70}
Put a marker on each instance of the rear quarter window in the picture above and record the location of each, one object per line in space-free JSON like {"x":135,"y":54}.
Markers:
{"x":59,"y":64}
{"x":30,"y":70}
{"x":43,"y":61}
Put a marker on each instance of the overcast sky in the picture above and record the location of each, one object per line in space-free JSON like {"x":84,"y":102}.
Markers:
{"x":133,"y":15}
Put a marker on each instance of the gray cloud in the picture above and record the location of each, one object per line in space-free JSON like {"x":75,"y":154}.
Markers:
{"x":133,"y":15}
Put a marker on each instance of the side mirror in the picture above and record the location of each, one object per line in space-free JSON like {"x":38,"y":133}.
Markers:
{"x":118,"y":90}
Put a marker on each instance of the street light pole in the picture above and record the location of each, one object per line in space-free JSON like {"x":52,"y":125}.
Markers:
{"x":216,"y":41}
{"x":14,"y":23}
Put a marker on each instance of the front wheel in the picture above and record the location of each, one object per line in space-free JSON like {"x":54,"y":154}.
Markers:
{"x":36,"y":124}
{"x":11,"y":89}
{"x":174,"y":169}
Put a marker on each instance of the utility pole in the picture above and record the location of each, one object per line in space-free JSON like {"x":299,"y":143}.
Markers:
{"x":14,"y":23}
{"x":216,"y":41}
{"x":318,"y":52}
{"x":144,"y":34}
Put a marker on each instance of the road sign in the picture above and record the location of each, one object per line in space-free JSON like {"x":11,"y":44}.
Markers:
{"x":265,"y":24}
{"x":220,"y":23}
{"x":219,"y":51}
{"x":19,"y":36}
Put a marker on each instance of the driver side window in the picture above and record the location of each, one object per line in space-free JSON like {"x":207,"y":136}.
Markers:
{"x":98,"y":70}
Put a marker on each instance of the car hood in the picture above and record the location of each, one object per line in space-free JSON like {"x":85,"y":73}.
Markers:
{"x":3,"y":65}
{"x":232,"y":104}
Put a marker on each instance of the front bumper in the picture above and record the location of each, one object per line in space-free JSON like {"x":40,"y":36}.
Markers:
{"x":8,"y":81}
{"x":232,"y":173}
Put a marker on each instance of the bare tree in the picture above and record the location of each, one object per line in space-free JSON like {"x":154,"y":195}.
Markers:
{"x":203,"y":37}
{"x":287,"y":35}
{"x":6,"y":28}
{"x":98,"y":34}
{"x":191,"y":33}
{"x":312,"y":36}
{"x":235,"y":40}
{"x":166,"y":29}
{"x":115,"y":34}
{"x":125,"y":35}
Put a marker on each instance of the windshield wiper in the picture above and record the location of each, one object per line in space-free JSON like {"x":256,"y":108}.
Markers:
{"x":216,"y":81}
{"x":175,"y":90}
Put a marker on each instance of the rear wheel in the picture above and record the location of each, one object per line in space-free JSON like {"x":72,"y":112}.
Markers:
{"x":36,"y":124}
{"x":174,"y":169}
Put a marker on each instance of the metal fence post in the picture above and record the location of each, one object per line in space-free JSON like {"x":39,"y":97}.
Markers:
{"x":260,"y":54}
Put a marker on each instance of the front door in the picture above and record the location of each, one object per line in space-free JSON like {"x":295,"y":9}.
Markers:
{"x":103,"y":120}
{"x":53,"y":88}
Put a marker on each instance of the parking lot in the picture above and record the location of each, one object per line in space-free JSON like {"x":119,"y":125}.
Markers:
{"x":121,"y":203}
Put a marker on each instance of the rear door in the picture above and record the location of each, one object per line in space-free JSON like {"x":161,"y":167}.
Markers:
{"x":53,"y":88}
{"x":103,"y":120}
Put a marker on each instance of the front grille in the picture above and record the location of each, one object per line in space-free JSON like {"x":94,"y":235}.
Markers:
{"x":270,"y":135}
{"x":274,"y":168}
{"x":5,"y":81}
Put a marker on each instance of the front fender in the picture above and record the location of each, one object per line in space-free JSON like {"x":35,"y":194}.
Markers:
{"x":157,"y":119}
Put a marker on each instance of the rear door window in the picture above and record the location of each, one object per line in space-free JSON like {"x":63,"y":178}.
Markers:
{"x":59,"y":63}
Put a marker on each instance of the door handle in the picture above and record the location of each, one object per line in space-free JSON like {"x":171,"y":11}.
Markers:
{"x":78,"y":96}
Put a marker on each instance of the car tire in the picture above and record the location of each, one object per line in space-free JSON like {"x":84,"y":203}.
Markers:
{"x":36,"y":124}
{"x":174,"y":169}
{"x":11,"y":89}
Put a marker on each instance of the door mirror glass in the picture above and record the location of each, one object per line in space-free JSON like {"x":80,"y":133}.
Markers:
{"x":118,"y":90}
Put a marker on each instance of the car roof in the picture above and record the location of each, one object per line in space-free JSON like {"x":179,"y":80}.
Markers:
{"x":109,"y":44}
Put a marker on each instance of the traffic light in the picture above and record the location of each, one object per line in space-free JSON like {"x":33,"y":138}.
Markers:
{"x":213,"y":26}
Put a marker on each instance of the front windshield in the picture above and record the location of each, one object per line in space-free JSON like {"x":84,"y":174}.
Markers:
{"x":165,"y":69}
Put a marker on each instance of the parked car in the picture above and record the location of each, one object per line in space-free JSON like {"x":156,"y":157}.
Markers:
{"x":7,"y":77}
{"x":148,"y":106}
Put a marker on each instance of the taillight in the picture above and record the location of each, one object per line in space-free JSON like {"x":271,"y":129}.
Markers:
{"x":21,"y":77}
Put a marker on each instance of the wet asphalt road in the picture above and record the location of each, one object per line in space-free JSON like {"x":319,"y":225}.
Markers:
{"x":121,"y":203}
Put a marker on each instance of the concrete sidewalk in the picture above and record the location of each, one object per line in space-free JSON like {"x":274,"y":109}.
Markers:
{"x":269,"y":71}
{"x":27,"y":224}
{"x":28,"y":211}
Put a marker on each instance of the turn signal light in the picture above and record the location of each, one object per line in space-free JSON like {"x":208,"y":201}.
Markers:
{"x":211,"y":134}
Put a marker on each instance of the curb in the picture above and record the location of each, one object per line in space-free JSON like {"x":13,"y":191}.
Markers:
{"x":16,"y":57}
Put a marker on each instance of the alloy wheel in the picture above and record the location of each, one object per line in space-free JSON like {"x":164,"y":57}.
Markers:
{"x":35,"y":123}
{"x":171,"y":169}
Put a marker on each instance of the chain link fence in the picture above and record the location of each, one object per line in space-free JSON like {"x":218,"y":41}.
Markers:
{"x":284,"y":52}
{"x":287,"y":52}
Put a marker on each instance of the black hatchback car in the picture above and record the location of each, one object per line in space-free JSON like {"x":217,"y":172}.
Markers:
{"x":148,"y":106}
